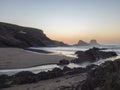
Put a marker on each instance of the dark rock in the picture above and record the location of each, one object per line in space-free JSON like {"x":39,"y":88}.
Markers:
{"x":63,"y":62}
{"x":17,"y":36}
{"x":92,"y":55}
{"x":105,"y":77}
{"x":66,"y":69}
{"x":75,"y":71}
{"x":91,"y":67}
{"x":23,"y":77}
{"x":4,"y":81}
{"x":42,"y":76}
{"x":56,"y":72}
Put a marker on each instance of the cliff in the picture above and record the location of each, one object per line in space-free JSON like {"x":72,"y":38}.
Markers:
{"x":18,"y":36}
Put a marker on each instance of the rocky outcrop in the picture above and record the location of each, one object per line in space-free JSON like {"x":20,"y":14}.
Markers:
{"x":18,"y":36}
{"x":26,"y":77}
{"x":104,"y":77}
{"x":63,"y":62}
{"x":23,"y":77}
{"x":83,"y":43}
{"x":4,"y":81}
{"x":93,"y":42}
{"x":92,"y":55}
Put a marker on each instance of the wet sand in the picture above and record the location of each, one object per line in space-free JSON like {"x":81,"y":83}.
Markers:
{"x":11,"y":58}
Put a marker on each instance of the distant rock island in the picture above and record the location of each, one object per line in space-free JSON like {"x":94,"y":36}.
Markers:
{"x":83,"y":43}
{"x":18,"y":36}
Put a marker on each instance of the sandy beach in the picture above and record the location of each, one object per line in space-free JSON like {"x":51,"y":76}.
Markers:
{"x":11,"y":58}
{"x":20,"y":58}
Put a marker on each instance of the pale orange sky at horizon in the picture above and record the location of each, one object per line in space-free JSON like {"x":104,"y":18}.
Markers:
{"x":67,"y":20}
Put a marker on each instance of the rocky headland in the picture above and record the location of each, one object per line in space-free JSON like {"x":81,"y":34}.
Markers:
{"x":18,"y":36}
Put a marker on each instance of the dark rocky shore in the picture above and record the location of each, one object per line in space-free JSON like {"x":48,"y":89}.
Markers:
{"x":102,"y":77}
{"x":26,"y":77}
{"x":92,"y":55}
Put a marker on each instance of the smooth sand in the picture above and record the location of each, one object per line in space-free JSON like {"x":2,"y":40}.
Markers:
{"x":19,"y":58}
{"x":52,"y":84}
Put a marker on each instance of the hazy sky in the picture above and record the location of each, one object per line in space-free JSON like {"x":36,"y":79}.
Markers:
{"x":67,"y":20}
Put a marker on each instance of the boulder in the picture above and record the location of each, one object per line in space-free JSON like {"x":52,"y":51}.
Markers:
{"x":92,"y":55}
{"x":91,"y":67}
{"x":4,"y":81}
{"x":105,"y":77}
{"x":63,"y":62}
{"x":65,"y":69}
{"x":75,"y":71}
{"x":23,"y":77}
{"x":56,"y":72}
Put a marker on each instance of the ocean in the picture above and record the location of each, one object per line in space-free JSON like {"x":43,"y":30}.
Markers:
{"x":67,"y":51}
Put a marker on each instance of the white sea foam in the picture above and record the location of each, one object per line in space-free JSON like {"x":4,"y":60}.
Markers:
{"x":68,"y":51}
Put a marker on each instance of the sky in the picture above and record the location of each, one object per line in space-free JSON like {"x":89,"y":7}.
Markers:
{"x":67,"y":20}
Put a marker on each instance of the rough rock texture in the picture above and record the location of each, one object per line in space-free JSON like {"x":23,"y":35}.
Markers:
{"x":63,"y":62}
{"x":104,"y":77}
{"x":92,"y":55}
{"x":18,"y":36}
{"x":4,"y":81}
{"x":26,"y":77}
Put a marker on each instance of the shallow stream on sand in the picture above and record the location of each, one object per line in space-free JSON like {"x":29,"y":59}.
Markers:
{"x":68,"y":51}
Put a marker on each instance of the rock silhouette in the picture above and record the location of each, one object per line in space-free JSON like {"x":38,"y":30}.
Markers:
{"x":17,"y":36}
{"x":91,"y":43}
{"x":92,"y":55}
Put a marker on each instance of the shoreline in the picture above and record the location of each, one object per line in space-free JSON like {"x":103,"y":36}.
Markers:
{"x":29,"y":66}
{"x":16,"y":58}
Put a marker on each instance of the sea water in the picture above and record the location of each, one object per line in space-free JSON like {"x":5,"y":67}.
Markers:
{"x":67,"y":51}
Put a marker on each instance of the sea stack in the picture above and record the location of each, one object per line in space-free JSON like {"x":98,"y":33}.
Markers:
{"x":82,"y":43}
{"x":93,"y":42}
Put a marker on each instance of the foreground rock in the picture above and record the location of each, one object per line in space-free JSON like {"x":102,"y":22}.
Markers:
{"x":17,"y":36}
{"x":26,"y":77}
{"x":23,"y":78}
{"x":104,"y":77}
{"x":92,"y":55}
{"x":4,"y":81}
